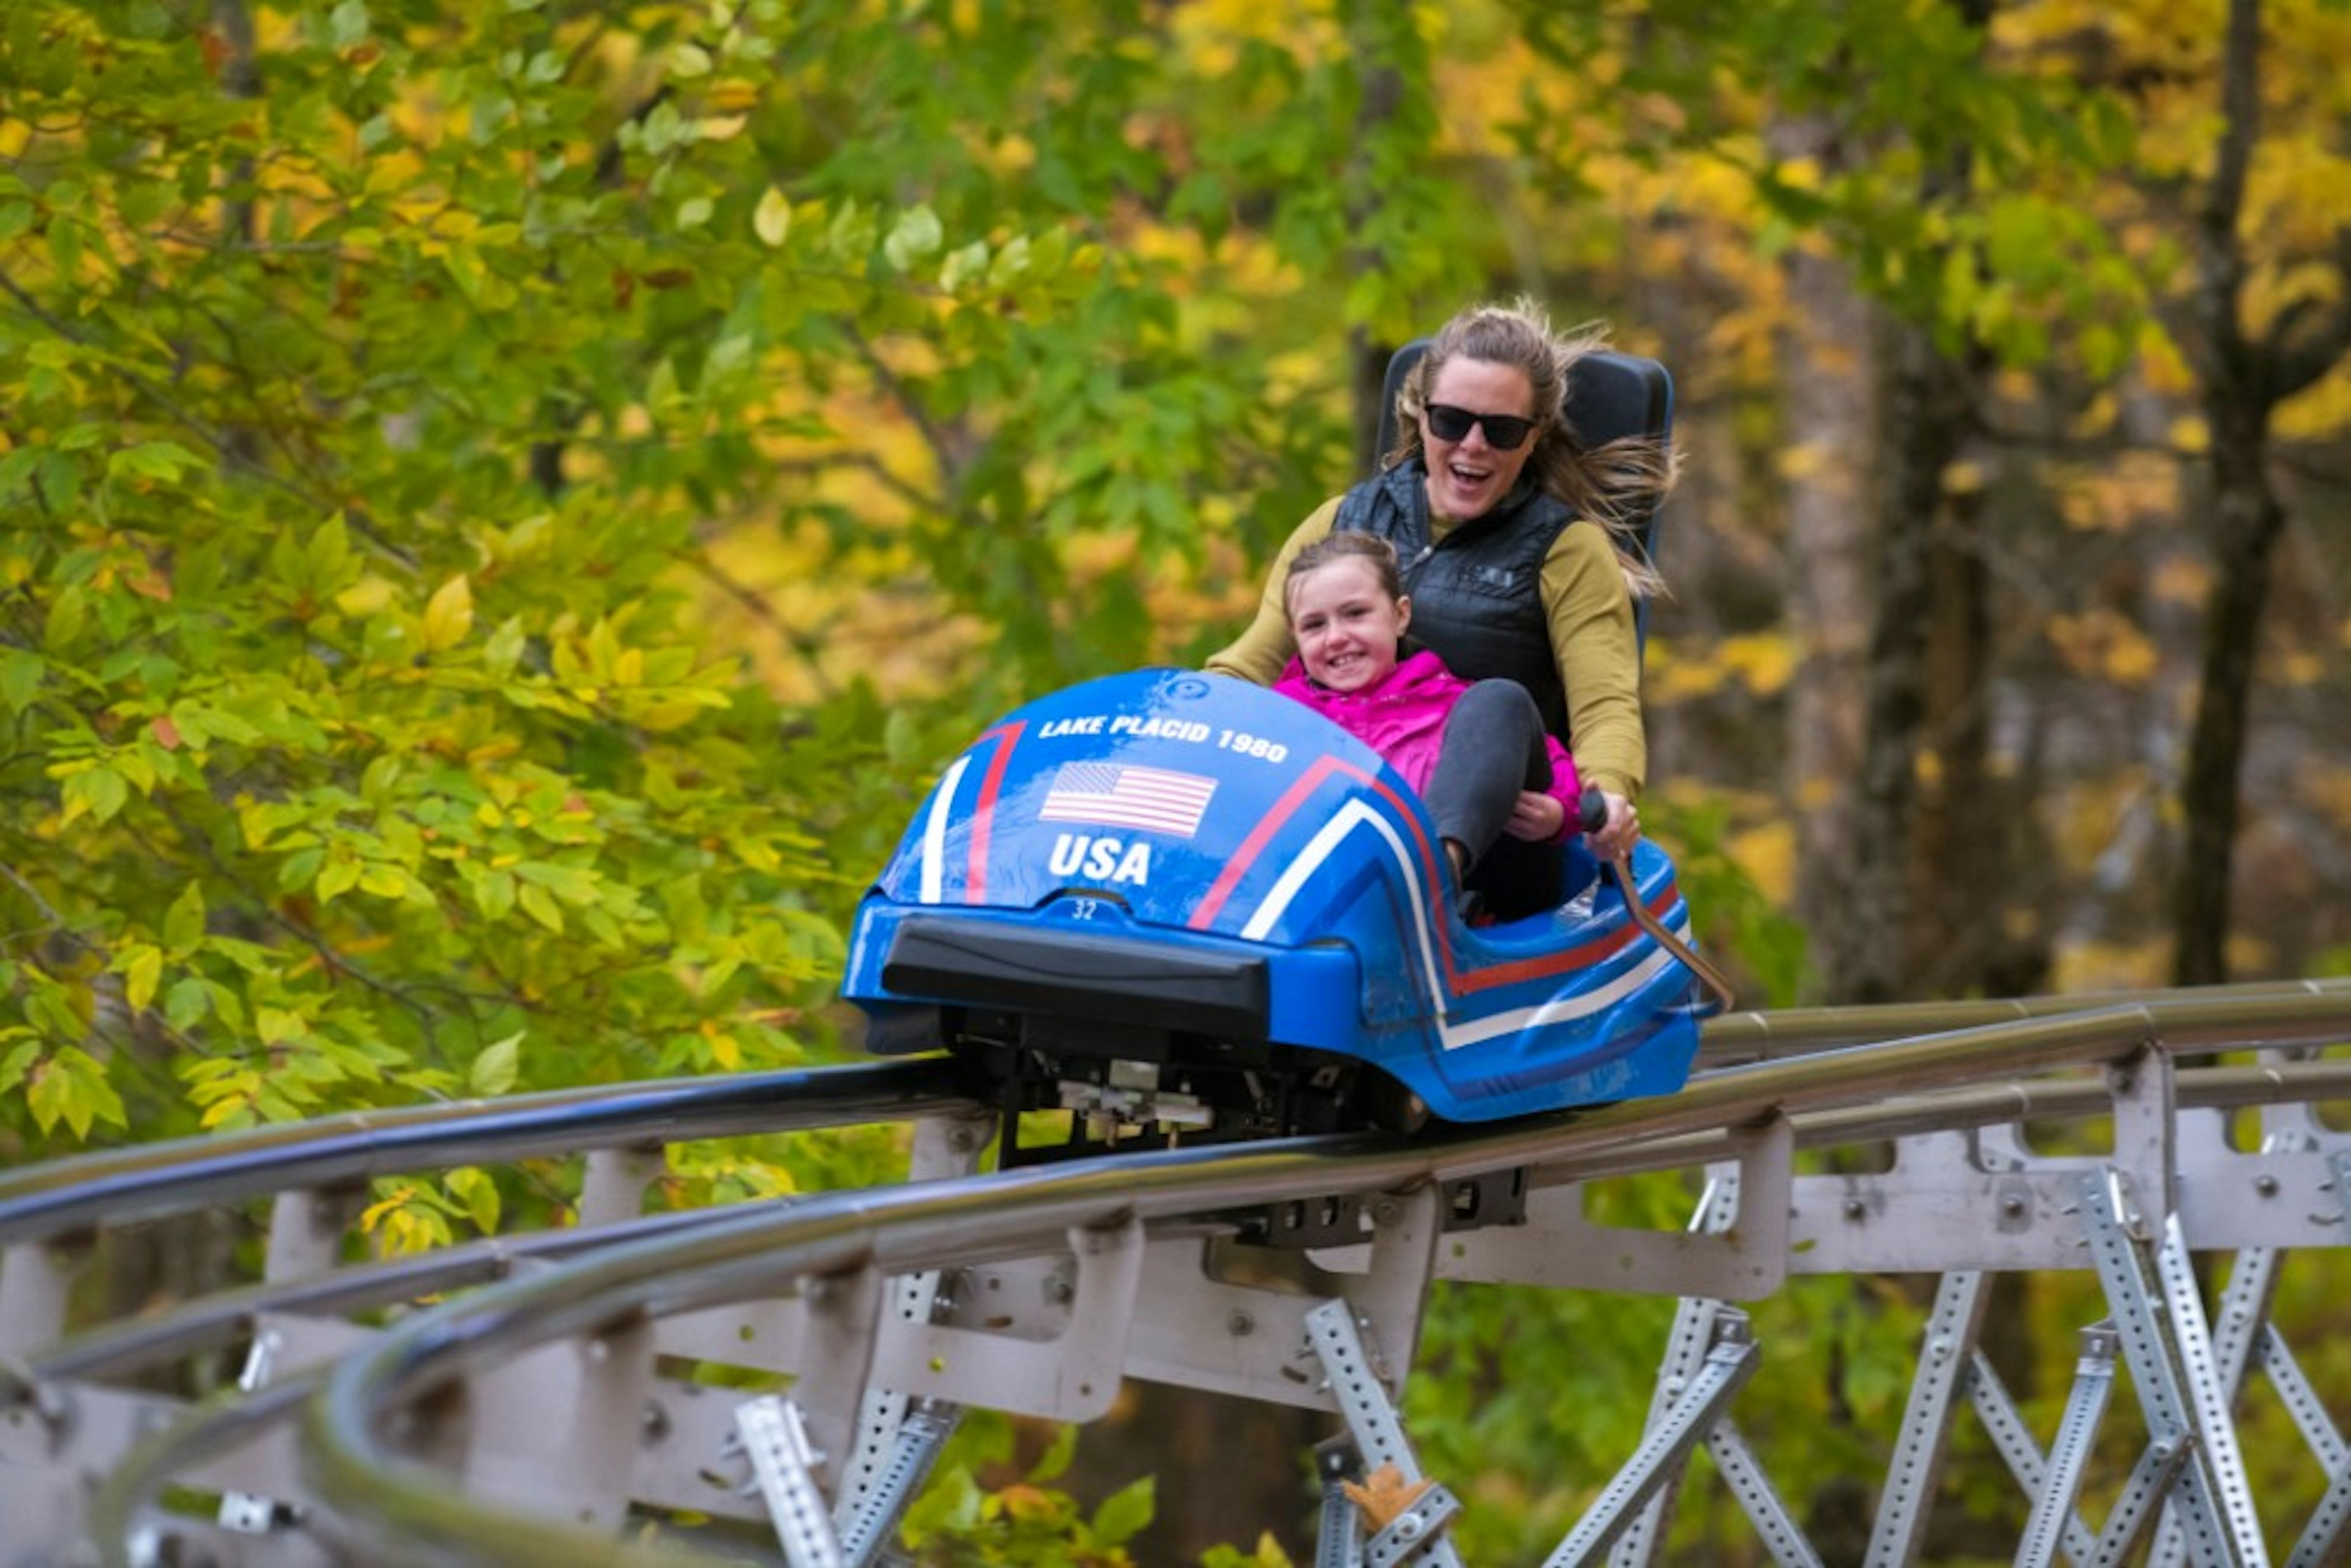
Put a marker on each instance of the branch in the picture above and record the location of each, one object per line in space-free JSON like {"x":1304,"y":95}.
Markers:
{"x":58,"y":924}
{"x":331,"y":957}
{"x":2219,"y":260}
{"x":807,"y":647}
{"x":2311,"y":337}
{"x":945,"y":449}
{"x":224,"y":447}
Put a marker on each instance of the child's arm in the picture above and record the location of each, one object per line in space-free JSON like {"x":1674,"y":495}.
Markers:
{"x":1548,"y":816}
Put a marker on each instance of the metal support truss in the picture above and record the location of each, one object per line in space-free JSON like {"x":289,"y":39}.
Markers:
{"x":1417,"y":1534}
{"x":897,"y":1441}
{"x":1699,"y":1324}
{"x":1918,"y":1462}
{"x":1337,"y":1536}
{"x":2056,"y":1484}
{"x":2165,"y":1342}
{"x":1730,"y":1362}
{"x":2327,"y":1539}
{"x":1642,"y":1541}
{"x":783,"y":1468}
{"x":242,"y":1511}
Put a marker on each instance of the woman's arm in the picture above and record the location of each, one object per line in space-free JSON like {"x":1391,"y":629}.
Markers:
{"x":1589,"y":614}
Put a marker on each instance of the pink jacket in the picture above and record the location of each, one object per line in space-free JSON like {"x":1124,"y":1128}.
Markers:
{"x":1403,"y":719}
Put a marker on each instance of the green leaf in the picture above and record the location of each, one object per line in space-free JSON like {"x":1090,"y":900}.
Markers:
{"x":69,"y":612}
{"x":185,"y":1003}
{"x":476,"y":1194}
{"x":347,"y":24}
{"x":17,"y":1062}
{"x":1126,"y":1512}
{"x":495,"y":1068}
{"x":339,"y":877}
{"x":541,"y":906}
{"x":72,"y":1087}
{"x":183,"y":923}
{"x":98,"y":791}
{"x":159,"y":460}
{"x":1057,"y":1456}
{"x":504,"y":649}
{"x":494,"y":893}
{"x":21,"y":670}
{"x":914,"y":236}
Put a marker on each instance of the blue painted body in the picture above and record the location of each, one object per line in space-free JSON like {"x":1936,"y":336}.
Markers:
{"x":1217,"y":820}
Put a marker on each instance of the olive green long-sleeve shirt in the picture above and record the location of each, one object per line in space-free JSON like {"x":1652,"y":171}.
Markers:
{"x":1592,"y":638}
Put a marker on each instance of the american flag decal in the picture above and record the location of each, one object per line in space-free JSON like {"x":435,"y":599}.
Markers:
{"x":1113,"y":795}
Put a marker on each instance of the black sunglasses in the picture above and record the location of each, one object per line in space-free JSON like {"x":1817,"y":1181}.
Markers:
{"x":1504,"y":432}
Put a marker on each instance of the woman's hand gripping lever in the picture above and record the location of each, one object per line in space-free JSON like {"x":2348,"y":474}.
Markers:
{"x":1592,"y":815}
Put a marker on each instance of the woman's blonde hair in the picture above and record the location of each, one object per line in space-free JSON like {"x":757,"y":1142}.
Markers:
{"x":1616,"y":483}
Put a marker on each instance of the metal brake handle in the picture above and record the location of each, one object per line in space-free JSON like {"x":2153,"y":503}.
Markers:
{"x":1591,"y":816}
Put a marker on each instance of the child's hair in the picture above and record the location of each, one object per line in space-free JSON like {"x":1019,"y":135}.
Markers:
{"x":1349,"y":544}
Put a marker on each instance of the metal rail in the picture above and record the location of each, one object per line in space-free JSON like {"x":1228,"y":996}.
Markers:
{"x":150,"y":1180}
{"x":404,"y":1508}
{"x":395,"y":1472}
{"x":143,"y":1182}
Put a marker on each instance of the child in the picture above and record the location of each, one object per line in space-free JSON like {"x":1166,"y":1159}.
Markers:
{"x":1478,"y":752}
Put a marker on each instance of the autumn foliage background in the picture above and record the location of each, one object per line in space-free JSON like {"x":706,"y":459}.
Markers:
{"x":505,"y":507}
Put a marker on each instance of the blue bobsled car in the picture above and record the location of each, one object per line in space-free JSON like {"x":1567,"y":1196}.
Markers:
{"x":1170,"y":897}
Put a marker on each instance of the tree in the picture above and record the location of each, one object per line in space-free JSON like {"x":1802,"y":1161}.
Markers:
{"x":384,"y":381}
{"x":2245,"y":369}
{"x":409,"y":401}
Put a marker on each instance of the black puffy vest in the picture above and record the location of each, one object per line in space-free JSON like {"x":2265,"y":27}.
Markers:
{"x":1477,"y":595}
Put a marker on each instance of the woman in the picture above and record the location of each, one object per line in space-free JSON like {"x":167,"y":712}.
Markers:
{"x":1476,"y":752}
{"x":1517,"y":548}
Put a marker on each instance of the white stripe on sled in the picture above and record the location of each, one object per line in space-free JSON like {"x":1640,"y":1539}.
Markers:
{"x":934,"y":831}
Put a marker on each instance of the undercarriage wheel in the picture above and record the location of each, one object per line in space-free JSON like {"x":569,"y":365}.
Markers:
{"x":1389,"y":1106}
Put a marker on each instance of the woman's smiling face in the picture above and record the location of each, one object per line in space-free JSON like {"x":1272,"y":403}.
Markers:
{"x":1467,"y":478}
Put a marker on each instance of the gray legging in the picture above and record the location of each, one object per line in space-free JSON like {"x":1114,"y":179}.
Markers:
{"x":1493,"y":748}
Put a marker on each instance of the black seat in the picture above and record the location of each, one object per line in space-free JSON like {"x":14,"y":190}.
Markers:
{"x":1609,"y":396}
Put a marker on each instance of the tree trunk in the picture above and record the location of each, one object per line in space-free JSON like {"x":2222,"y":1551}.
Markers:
{"x":1383,"y":88}
{"x":1976,"y":934}
{"x":1827,"y":394}
{"x":1929,"y":419}
{"x":2247,"y":520}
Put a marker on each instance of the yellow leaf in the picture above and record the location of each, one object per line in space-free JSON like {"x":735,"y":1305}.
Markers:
{"x":374,"y":1212}
{"x":384,"y":881}
{"x":365,"y":597}
{"x":142,"y":968}
{"x":450,"y":616}
{"x":772,"y":221}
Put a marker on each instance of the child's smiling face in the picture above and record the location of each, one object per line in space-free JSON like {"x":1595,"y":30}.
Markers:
{"x":1347,"y":624}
